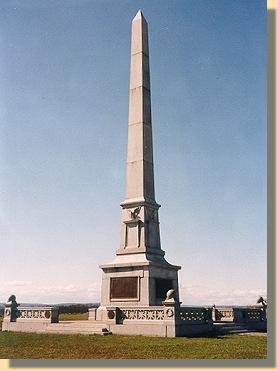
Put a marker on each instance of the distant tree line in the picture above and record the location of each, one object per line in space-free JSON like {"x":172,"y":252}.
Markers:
{"x":75,"y":308}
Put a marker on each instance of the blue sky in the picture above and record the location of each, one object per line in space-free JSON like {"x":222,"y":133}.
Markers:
{"x":64,"y":107}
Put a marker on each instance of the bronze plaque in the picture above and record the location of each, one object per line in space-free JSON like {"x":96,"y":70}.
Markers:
{"x":124,"y":288}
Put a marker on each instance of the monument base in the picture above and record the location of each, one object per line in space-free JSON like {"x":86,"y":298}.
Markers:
{"x":137,"y":280}
{"x":167,"y":320}
{"x":161,"y":330}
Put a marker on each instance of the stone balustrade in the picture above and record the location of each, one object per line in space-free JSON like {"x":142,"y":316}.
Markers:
{"x":223,"y":314}
{"x":148,"y":314}
{"x":255,"y":314}
{"x":239,"y":314}
{"x":120,"y":315}
{"x":182,"y":315}
{"x":40,"y":314}
{"x":194,"y":315}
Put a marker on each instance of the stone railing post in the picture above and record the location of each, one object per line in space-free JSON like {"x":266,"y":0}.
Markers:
{"x":92,"y":314}
{"x":171,"y":313}
{"x":111,"y":315}
{"x":239,"y":316}
{"x":8,"y":313}
{"x":114,"y":315}
{"x":11,"y":312}
{"x":263,"y":314}
{"x":213,"y":313}
{"x":171,"y":317}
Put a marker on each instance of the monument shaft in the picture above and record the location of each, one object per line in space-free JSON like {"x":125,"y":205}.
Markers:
{"x":139,"y":275}
{"x":140,"y":225}
{"x":140,"y":175}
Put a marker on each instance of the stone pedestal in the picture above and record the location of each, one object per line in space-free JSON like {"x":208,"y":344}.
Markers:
{"x":142,"y":283}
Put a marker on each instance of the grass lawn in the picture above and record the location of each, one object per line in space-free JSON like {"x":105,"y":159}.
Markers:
{"x":73,"y":317}
{"x":19,"y":345}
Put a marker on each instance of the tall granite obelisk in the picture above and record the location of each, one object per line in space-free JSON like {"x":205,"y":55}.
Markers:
{"x":140,"y":227}
{"x":139,"y":275}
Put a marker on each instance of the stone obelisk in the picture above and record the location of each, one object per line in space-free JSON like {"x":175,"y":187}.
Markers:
{"x":139,"y":275}
{"x":140,"y":228}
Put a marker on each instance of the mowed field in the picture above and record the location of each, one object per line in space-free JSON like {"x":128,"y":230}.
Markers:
{"x":17,"y":345}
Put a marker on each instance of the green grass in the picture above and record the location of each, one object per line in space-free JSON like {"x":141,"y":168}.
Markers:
{"x":73,"y":317}
{"x":19,"y":345}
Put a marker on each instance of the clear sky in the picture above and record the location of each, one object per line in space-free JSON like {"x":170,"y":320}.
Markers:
{"x":64,"y":109}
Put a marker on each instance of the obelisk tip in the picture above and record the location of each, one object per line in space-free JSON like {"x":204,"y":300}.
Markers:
{"x":139,"y":15}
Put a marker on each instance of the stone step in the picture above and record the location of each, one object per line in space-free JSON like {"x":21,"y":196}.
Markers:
{"x":77,"y":327}
{"x":229,"y":328}
{"x":232,"y":330}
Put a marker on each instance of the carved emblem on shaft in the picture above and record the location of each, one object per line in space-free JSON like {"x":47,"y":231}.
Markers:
{"x":134,"y":214}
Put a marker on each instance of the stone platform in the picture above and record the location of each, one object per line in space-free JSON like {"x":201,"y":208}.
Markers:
{"x":76,"y":327}
{"x":224,"y":328}
{"x":167,"y":320}
{"x":63,"y":327}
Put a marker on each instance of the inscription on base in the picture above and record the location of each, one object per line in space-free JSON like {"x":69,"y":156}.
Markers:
{"x":124,"y":288}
